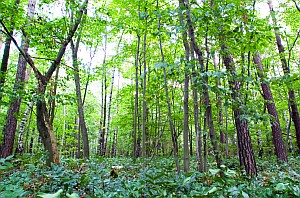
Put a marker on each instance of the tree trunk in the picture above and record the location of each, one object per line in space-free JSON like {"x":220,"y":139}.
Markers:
{"x":195,"y":48}
{"x":82,"y":124}
{"x":172,"y":128}
{"x":78,"y":137}
{"x":280,"y":149}
{"x":186,"y":92}
{"x":114,"y":145}
{"x":109,"y":110}
{"x":144,"y":133}
{"x":20,"y":148}
{"x":11,"y":119}
{"x":103,"y":101}
{"x":246,"y":153}
{"x":136,"y":101}
{"x":286,"y":70}
{"x":53,"y":91}
{"x":4,"y":64}
{"x":5,"y":57}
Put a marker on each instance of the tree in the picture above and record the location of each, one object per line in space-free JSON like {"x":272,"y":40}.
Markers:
{"x":44,"y":125}
{"x":6,"y":148}
{"x":286,"y":70}
{"x":280,"y":149}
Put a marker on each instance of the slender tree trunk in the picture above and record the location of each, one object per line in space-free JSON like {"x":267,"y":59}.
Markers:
{"x":109,"y":110}
{"x":11,"y":119}
{"x":171,"y":125}
{"x":186,"y":92}
{"x":52,"y":102}
{"x":20,"y":148}
{"x":286,"y":70}
{"x":78,"y":137}
{"x":136,"y":101}
{"x":1,"y":42}
{"x":103,"y":101}
{"x":82,"y":124}
{"x":280,"y":149}
{"x":246,"y":153}
{"x":220,"y":107}
{"x":5,"y":56}
{"x":186,"y":123}
{"x":4,"y":64}
{"x":207,"y":103}
{"x":114,"y":145}
{"x":144,"y":133}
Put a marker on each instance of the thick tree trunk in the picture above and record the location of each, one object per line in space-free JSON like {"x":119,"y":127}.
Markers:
{"x":43,"y":132}
{"x":245,"y":149}
{"x":280,"y":149}
{"x":286,"y":70}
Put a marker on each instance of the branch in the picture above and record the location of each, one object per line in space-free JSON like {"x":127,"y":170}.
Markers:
{"x":49,"y":59}
{"x":298,"y":8}
{"x":294,"y":43}
{"x":23,"y":53}
{"x":65,"y":43}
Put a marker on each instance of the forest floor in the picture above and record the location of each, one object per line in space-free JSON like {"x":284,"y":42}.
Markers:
{"x":28,"y":176}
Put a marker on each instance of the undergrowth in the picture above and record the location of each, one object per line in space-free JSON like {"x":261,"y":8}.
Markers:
{"x":28,"y":176}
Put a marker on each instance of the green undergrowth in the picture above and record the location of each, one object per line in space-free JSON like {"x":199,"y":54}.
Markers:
{"x":28,"y":176}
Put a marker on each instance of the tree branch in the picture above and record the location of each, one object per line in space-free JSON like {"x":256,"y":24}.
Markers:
{"x":23,"y":53}
{"x":298,"y":8}
{"x":65,"y":43}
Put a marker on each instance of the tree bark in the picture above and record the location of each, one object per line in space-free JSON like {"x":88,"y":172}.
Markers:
{"x":109,"y":110}
{"x":20,"y":147}
{"x":136,"y":100}
{"x":11,"y":119}
{"x":186,"y":92}
{"x":208,"y":112}
{"x":170,"y":119}
{"x":286,"y":70}
{"x":246,"y":154}
{"x":82,"y":124}
{"x":5,"y":56}
{"x":280,"y":149}
{"x":144,"y":121}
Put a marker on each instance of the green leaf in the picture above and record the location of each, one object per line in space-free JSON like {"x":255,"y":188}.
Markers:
{"x":160,"y":65}
{"x":186,"y":180}
{"x":245,"y":195}
{"x":212,"y":190}
{"x":55,"y":195}
{"x":73,"y":195}
{"x":280,"y":187}
{"x":214,"y":171}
